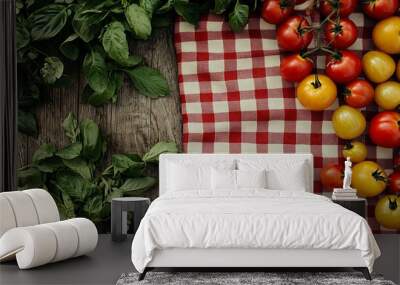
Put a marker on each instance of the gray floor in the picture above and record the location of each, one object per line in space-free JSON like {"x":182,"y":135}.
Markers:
{"x":104,"y":266}
{"x":110,"y":260}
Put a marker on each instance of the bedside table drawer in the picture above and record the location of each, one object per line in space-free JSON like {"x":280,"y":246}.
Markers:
{"x":357,"y":206}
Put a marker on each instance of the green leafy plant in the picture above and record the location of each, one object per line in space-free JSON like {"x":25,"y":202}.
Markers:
{"x":96,"y":35}
{"x":73,"y":177}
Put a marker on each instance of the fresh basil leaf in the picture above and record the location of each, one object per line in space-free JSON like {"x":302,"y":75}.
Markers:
{"x":68,"y":47}
{"x":48,"y":21}
{"x":115,"y":43}
{"x":190,"y":12}
{"x":239,"y":17}
{"x":132,"y":61}
{"x":71,"y":151}
{"x":137,"y":184}
{"x":23,"y":37}
{"x":49,"y":165}
{"x":71,"y":127}
{"x":29,"y":178}
{"x":166,"y":7}
{"x":139,"y":21}
{"x":88,"y":18}
{"x":149,"y":81}
{"x":78,"y":166}
{"x":95,"y":70}
{"x":66,"y":207}
{"x":221,"y":6}
{"x":114,"y":83}
{"x":27,"y":123}
{"x":150,"y":5}
{"x":162,"y":147}
{"x":86,"y":93}
{"x":43,"y":152}
{"x":122,"y":163}
{"x":52,"y":69}
{"x":70,"y":183}
{"x":115,"y":193}
{"x":91,"y":140}
{"x":93,"y":207}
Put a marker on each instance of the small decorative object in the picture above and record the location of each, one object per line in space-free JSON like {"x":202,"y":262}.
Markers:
{"x":347,"y":174}
{"x":346,"y":192}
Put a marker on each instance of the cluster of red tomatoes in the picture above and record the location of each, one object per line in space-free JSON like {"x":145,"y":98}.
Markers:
{"x":343,"y":69}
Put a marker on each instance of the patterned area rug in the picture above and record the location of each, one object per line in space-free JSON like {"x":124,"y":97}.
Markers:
{"x":243,"y":278}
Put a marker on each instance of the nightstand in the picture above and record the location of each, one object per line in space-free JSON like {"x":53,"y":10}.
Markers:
{"x":358,"y":205}
{"x":119,"y":208}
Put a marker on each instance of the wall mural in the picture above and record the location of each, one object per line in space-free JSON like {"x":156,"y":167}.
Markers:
{"x":273,"y":76}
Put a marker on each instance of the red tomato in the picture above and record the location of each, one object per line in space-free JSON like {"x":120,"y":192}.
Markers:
{"x":295,"y":67}
{"x":384,"y":129}
{"x":291,"y":35}
{"x":346,"y":6}
{"x":276,"y":11}
{"x":344,"y":67}
{"x":358,"y":93}
{"x":341,"y":35}
{"x":394,"y":182}
{"x":380,"y":9}
{"x":332,"y":176}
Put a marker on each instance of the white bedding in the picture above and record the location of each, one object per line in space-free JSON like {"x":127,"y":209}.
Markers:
{"x":251,"y":218}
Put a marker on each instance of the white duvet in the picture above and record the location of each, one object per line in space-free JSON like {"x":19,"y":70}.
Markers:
{"x":250,"y":219}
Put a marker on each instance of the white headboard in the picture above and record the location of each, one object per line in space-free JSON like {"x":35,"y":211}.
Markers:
{"x":210,"y":158}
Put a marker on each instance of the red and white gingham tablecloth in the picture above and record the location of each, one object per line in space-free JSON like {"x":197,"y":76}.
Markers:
{"x":234,"y":100}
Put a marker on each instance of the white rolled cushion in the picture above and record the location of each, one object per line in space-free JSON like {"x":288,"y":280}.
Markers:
{"x":7,"y":218}
{"x":67,"y":240}
{"x":46,"y":208}
{"x":37,"y":245}
{"x":33,"y":246}
{"x":223,"y":179}
{"x":23,"y":208}
{"x":251,"y":178}
{"x":87,"y":235}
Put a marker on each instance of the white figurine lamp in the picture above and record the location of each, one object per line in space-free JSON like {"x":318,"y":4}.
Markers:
{"x":347,"y":174}
{"x":345,"y":193}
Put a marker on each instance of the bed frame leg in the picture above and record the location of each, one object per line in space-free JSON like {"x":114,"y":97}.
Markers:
{"x":365,"y":272}
{"x":143,"y":274}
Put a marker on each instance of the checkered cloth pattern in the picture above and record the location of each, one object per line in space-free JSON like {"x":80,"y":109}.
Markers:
{"x":234,"y":100}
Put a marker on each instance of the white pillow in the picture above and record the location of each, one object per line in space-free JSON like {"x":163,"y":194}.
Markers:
{"x":188,"y":176}
{"x":282,"y":174}
{"x":251,"y":179}
{"x":227,"y":179}
{"x":223,"y":179}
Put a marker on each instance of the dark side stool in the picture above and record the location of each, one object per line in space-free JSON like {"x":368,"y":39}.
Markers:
{"x":119,"y":212}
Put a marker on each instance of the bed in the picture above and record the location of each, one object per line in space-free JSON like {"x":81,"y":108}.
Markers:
{"x":247,"y":211}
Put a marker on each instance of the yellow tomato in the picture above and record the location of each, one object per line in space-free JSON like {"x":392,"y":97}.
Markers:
{"x":357,"y":151}
{"x":386,"y":35}
{"x":316,"y":95}
{"x":378,"y":66}
{"x":387,"y":95}
{"x":368,"y":178}
{"x":387,"y":212}
{"x":348,"y":122}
